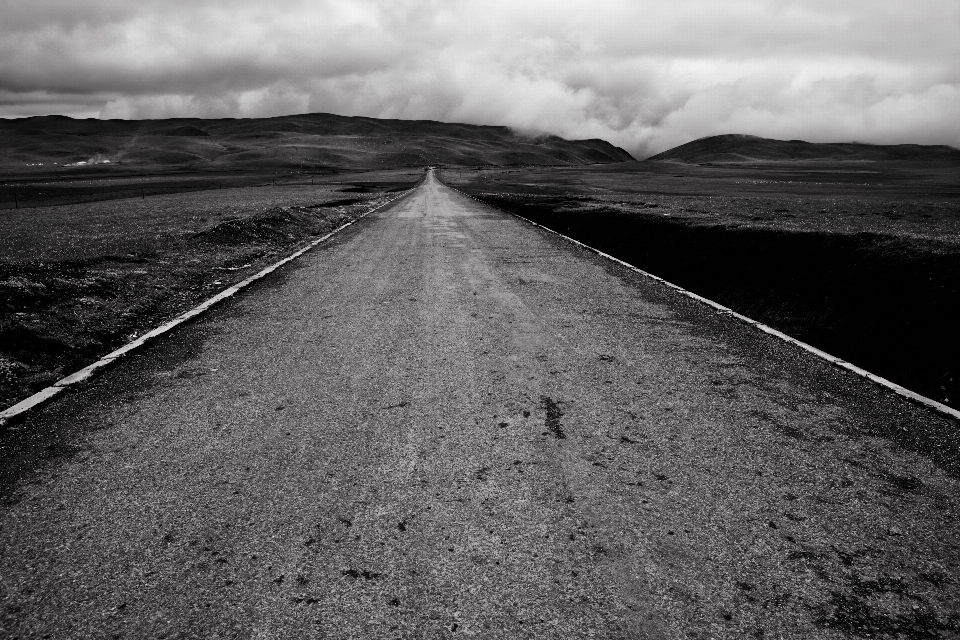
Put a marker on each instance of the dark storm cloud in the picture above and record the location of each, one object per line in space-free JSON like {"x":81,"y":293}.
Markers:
{"x":644,"y":75}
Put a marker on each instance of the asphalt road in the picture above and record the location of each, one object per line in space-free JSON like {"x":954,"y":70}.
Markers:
{"x":447,"y":422}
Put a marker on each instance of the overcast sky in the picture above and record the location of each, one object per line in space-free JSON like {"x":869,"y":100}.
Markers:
{"x":645,"y":75}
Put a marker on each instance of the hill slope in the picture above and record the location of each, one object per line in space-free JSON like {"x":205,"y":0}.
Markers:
{"x":734,"y":148}
{"x":309,"y":142}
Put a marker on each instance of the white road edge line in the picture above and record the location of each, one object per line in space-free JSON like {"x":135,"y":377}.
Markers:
{"x":883,"y":382}
{"x":45,"y":395}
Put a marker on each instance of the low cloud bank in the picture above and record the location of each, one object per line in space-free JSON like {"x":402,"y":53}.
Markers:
{"x":643,"y":75}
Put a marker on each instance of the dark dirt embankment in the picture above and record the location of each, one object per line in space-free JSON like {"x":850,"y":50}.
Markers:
{"x":101,"y":276}
{"x":888,"y":304}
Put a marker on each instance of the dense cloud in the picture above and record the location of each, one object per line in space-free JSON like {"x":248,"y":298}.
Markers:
{"x":644,"y":75}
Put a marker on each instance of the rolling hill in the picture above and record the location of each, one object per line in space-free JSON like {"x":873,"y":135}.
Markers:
{"x":310,"y":142}
{"x":733,"y":148}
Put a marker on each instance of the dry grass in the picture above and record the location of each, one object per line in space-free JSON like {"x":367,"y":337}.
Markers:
{"x":135,"y":226}
{"x":903,"y":202}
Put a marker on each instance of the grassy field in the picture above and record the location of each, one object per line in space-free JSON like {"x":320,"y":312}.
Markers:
{"x":119,"y":183}
{"x":859,"y":259}
{"x":79,"y":280}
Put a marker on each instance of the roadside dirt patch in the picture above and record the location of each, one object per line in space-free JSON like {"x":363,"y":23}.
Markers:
{"x":281,"y":224}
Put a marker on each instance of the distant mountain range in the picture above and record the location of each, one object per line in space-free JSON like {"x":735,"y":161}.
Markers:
{"x":734,"y":148}
{"x":323,"y":141}
{"x":309,"y":142}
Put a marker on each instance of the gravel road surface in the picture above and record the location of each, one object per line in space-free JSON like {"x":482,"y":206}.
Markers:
{"x":449,"y":423}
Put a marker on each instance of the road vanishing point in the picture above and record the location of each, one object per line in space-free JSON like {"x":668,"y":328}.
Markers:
{"x":447,"y":422}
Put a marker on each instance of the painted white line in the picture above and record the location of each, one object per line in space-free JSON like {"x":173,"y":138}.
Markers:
{"x":45,"y":395}
{"x":883,"y":382}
